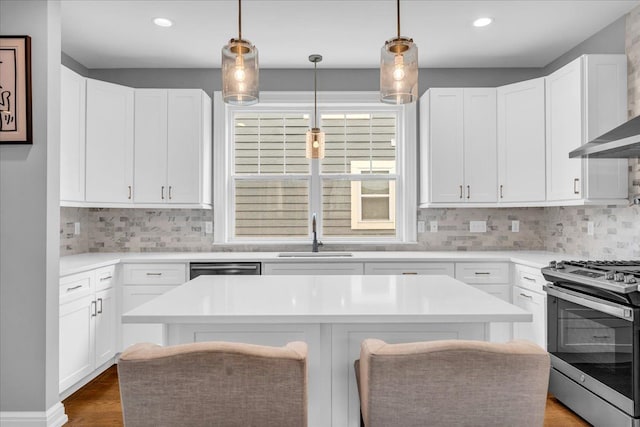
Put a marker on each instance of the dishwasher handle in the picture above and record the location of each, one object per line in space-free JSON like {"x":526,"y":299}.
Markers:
{"x":226,"y":267}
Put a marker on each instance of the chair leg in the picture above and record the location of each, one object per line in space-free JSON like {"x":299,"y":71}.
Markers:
{"x":361,"y":420}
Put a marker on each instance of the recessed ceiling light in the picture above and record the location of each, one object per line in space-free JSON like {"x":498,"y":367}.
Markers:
{"x":482,"y":22}
{"x":163,"y":22}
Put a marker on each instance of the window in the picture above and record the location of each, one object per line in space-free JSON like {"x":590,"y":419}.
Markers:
{"x":265,"y":190}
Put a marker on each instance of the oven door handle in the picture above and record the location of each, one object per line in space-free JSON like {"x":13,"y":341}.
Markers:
{"x":620,"y":311}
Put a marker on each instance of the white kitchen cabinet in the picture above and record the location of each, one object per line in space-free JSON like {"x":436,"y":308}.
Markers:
{"x":72,"y":136}
{"x":492,"y":278}
{"x":458,"y":145}
{"x":109,"y":143}
{"x":172,"y":147}
{"x":421,"y":268}
{"x":87,"y":324}
{"x":142,"y":283}
{"x":585,"y":99}
{"x":314,"y":268}
{"x":521,"y":142}
{"x":528,"y":294}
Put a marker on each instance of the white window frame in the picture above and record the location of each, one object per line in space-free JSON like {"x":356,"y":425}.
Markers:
{"x":357,"y":223}
{"x":406,"y":164}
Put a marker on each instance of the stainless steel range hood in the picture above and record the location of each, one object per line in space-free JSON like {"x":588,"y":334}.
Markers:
{"x":619,"y":143}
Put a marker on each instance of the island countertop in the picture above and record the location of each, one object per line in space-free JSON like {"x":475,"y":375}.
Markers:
{"x":325,"y":299}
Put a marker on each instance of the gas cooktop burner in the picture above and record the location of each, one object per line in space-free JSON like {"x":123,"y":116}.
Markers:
{"x":617,"y":276}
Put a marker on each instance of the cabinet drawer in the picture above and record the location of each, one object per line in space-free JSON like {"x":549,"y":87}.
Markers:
{"x":76,"y":286}
{"x":529,"y":278}
{"x":105,"y":277}
{"x":483,"y":272}
{"x":154,"y":274}
{"x":422,"y":268}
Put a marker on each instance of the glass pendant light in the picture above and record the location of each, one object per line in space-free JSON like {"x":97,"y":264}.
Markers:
{"x":240,"y":69}
{"x":315,"y":137}
{"x":399,"y":69}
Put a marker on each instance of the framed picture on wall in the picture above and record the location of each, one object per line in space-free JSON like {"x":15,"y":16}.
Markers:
{"x":15,"y":90}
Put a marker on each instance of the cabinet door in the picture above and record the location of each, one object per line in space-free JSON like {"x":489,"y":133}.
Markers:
{"x":534,"y":303}
{"x":72,"y":135}
{"x":498,"y":331}
{"x":77,"y":341}
{"x":132,"y":297}
{"x":521,"y":142}
{"x":606,"y":106}
{"x":151,"y":146}
{"x":446,"y":139}
{"x":109,"y":155}
{"x":185,"y":145}
{"x":564,"y":131}
{"x":105,"y":326}
{"x":480,"y":145}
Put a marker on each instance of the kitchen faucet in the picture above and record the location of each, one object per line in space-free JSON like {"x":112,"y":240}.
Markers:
{"x":315,"y":244}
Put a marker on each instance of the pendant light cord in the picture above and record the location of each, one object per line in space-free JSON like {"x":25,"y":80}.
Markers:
{"x":398,"y":17}
{"x":315,"y":94}
{"x":240,"y":19}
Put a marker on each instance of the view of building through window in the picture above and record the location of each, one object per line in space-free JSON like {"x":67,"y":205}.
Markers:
{"x":276,"y":189}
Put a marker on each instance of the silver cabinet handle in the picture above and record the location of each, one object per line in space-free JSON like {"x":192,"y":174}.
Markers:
{"x":501,"y":192}
{"x":468,"y":191}
{"x":482,"y":273}
{"x":162,"y":192}
{"x":409,"y":273}
{"x":130,"y":192}
{"x":102,"y":279}
{"x":93,"y":309}
{"x":525,"y":295}
{"x":461,"y":191}
{"x":601,"y":337}
{"x":575,"y":185}
{"x":154,"y":274}
{"x":528,"y":278}
{"x":100,"y":309}
{"x":73,"y":288}
{"x":170,"y":196}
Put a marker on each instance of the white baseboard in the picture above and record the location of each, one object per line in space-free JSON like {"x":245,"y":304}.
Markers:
{"x":53,"y":417}
{"x":86,"y":380}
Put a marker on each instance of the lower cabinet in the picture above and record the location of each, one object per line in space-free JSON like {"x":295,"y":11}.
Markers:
{"x":142,"y":283}
{"x":492,"y":278}
{"x":87,"y":324}
{"x":529,"y":295}
{"x":315,"y":268}
{"x":422,"y":268}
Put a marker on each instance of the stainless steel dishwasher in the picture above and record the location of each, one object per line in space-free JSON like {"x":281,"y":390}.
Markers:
{"x":218,"y":268}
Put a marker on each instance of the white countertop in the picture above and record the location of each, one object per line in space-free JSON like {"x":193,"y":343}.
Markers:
{"x":82,"y":262}
{"x":325,"y":299}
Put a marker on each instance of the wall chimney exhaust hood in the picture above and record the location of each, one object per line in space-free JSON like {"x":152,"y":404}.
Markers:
{"x":619,"y":143}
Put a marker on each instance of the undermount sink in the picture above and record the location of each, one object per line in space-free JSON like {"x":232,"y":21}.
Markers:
{"x":313,"y":254}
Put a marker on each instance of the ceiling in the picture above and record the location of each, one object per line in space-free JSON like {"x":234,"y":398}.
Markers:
{"x":348,"y":33}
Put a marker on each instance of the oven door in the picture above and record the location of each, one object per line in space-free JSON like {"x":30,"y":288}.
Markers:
{"x":595,"y":343}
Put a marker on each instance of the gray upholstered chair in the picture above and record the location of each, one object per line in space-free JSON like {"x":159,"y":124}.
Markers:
{"x":214,"y":384}
{"x":452,"y":383}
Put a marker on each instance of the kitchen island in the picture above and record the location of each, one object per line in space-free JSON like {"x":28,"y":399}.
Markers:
{"x":332,"y":314}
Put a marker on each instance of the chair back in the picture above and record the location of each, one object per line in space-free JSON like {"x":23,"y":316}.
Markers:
{"x":452,"y":383}
{"x":214,"y":384}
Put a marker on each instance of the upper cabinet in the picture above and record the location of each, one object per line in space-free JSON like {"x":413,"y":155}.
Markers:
{"x":172,"y":147}
{"x":585,"y":99}
{"x":72,"y":136}
{"x":521,"y":142}
{"x":109,"y":148}
{"x":125,"y":147}
{"x":458,"y":146}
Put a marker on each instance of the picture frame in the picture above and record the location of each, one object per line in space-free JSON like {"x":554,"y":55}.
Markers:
{"x":15,"y":90}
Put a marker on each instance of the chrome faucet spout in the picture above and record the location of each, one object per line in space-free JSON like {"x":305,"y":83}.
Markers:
{"x":315,"y":244}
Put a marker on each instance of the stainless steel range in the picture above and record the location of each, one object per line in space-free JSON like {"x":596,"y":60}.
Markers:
{"x":593,"y":323}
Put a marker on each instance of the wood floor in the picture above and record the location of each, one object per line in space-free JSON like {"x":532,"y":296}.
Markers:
{"x":98,"y":405}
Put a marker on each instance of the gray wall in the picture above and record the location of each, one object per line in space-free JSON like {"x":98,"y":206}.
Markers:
{"x":608,"y":40}
{"x":29,"y":223}
{"x":209,"y":79}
